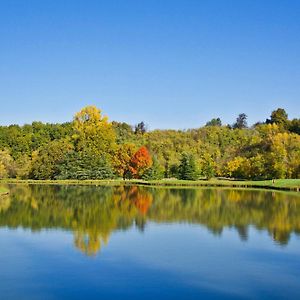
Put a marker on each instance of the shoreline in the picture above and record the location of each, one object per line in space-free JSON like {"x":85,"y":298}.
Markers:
{"x":292,"y":185}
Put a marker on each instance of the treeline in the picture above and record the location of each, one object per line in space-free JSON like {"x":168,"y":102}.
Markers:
{"x":91,"y":147}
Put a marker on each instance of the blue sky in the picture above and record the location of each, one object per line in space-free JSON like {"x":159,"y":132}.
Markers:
{"x":171,"y":63}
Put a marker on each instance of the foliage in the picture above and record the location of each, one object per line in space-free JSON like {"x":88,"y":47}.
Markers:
{"x":208,"y":168}
{"x":124,"y":132}
{"x":214,"y":122}
{"x":187,"y":169}
{"x":267,"y":150}
{"x":3,"y":171}
{"x":140,"y":128}
{"x":84,"y":165}
{"x":241,"y":121}
{"x":122,"y":159}
{"x":155,"y":172}
{"x":279,"y":117}
{"x":45,"y":162}
{"x":140,"y":162}
{"x":7,"y":166}
{"x":294,"y":126}
{"x":93,"y":132}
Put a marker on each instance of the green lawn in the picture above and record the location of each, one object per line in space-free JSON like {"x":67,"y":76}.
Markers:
{"x":226,"y":182}
{"x":283,"y":184}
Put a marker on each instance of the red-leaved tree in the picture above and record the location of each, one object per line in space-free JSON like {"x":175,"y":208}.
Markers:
{"x":140,"y":162}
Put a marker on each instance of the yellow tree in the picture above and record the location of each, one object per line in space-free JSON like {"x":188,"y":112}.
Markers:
{"x":285,"y":154}
{"x":7,"y":166}
{"x":238,"y":167}
{"x":93,"y":132}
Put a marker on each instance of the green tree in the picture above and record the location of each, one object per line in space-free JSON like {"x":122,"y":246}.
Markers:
{"x":124,"y":132}
{"x":294,"y":126}
{"x":279,"y":117}
{"x":45,"y":162}
{"x":241,"y":121}
{"x":155,"y":172}
{"x":84,"y":165}
{"x":187,"y":168}
{"x":214,"y":122}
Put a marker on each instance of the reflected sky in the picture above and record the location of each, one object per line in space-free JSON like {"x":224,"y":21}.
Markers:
{"x":173,"y":249}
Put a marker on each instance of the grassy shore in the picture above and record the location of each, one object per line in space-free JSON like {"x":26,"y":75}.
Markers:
{"x":278,"y":184}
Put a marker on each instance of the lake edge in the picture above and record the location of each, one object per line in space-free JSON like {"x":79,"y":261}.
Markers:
{"x":284,"y":185}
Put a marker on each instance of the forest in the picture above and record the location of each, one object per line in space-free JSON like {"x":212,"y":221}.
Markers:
{"x":92,"y":147}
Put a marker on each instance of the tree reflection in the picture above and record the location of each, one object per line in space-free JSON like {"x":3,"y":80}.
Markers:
{"x":93,"y":213}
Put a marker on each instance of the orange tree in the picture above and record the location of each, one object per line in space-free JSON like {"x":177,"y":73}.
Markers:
{"x":140,"y":162}
{"x":122,"y":159}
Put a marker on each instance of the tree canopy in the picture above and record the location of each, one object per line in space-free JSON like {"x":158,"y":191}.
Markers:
{"x":93,"y":147}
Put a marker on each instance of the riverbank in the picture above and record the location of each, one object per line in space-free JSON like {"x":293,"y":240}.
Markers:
{"x":278,"y":184}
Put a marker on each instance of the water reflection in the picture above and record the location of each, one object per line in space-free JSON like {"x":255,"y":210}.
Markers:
{"x":93,"y":213}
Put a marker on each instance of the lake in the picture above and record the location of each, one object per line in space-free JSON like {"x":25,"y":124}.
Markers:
{"x":129,"y":242}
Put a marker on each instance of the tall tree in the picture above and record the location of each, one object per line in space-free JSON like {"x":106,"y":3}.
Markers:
{"x":93,"y":132}
{"x":241,"y":121}
{"x":140,"y":128}
{"x":279,"y":117}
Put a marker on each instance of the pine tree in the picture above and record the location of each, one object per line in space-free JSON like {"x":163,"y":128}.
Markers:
{"x":187,"y":168}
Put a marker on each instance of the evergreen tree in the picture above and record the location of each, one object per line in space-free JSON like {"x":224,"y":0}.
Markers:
{"x":187,"y":168}
{"x":155,"y":172}
{"x":83,"y":165}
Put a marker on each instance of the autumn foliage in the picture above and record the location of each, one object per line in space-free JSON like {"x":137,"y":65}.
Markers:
{"x":92,"y":147}
{"x":140,"y":162}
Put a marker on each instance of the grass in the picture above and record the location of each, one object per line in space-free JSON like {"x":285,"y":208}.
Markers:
{"x":279,"y":184}
{"x":3,"y":191}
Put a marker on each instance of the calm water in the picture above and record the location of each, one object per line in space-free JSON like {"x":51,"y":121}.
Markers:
{"x":148,"y":243}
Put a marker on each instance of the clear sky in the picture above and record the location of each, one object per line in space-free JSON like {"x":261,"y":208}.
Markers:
{"x":171,"y":63}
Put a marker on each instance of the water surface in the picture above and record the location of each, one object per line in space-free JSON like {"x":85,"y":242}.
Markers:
{"x":134,"y":242}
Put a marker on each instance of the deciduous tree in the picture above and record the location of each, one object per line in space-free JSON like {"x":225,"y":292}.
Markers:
{"x":93,"y":131}
{"x":140,"y":162}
